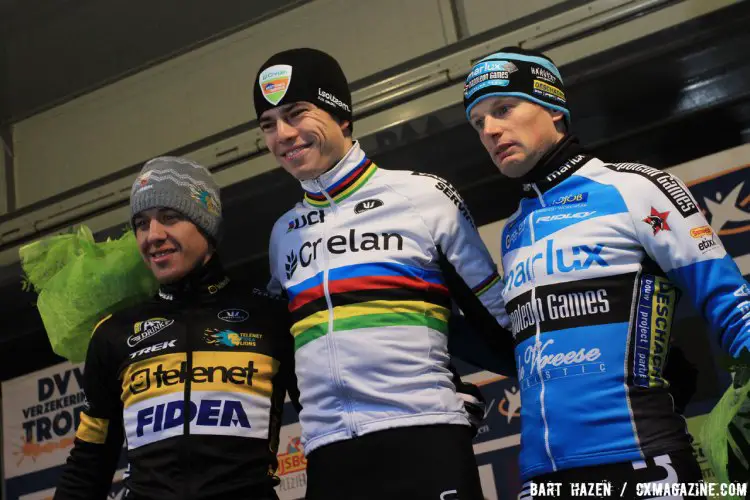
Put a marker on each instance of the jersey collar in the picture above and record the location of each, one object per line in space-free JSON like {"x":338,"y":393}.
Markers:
{"x":340,"y":182}
{"x":202,"y":282}
{"x":554,"y":167}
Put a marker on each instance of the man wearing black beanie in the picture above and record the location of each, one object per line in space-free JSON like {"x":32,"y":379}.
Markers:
{"x":595,"y":257}
{"x":370,"y":260}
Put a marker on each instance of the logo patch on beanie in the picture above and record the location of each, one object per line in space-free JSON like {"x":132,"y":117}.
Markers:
{"x":549,"y":91}
{"x":274,"y":82}
{"x":206,"y":199}
{"x":142,"y":179}
{"x":489,"y":73}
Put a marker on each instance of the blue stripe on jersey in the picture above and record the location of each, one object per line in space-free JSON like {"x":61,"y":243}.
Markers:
{"x":717,"y":285}
{"x":596,"y":200}
{"x":575,"y":200}
{"x":368,"y":269}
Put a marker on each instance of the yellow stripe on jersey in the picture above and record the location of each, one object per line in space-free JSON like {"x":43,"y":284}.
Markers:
{"x":92,"y":430}
{"x":100,"y":323}
{"x":373,"y":307}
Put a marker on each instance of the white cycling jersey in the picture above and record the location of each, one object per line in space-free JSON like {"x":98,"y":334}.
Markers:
{"x":370,"y":261}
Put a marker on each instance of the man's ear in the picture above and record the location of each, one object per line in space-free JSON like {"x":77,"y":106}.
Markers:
{"x":346,"y":127}
{"x":558,"y":118}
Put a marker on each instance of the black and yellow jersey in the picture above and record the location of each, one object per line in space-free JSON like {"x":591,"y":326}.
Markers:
{"x":194,"y":381}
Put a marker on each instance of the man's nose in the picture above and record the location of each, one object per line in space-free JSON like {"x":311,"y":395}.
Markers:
{"x":492,"y":126}
{"x":156,"y":231}
{"x":285,"y":131}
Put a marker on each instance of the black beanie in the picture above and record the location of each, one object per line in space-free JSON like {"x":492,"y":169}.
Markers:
{"x":303,"y":75}
{"x":516,"y":72}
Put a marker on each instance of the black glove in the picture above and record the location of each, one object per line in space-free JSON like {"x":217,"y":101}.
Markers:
{"x":683,"y":378}
{"x":474,"y":402}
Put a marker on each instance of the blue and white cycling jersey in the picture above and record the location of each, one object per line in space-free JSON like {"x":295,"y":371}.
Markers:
{"x":595,"y":258}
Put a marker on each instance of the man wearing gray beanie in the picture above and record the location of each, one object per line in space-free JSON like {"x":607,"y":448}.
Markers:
{"x":595,"y":258}
{"x":193,"y":380}
{"x":176,"y":188}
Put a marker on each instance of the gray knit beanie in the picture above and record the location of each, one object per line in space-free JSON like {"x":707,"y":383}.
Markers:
{"x":182,"y":185}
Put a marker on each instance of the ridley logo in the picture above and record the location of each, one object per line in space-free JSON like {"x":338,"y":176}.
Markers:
{"x":366,"y":205}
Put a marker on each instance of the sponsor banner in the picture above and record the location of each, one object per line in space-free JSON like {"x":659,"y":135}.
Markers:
{"x":292,"y":469}
{"x":40,"y":414}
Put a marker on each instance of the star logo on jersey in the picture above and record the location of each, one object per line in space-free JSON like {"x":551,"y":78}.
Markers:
{"x":658,"y":221}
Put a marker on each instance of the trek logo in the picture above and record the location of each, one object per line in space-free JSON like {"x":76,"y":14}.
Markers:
{"x":571,"y":198}
{"x":658,"y":221}
{"x":233,"y":315}
{"x":141,"y":380}
{"x":145,"y":329}
{"x":309,"y":219}
{"x":556,"y":260}
{"x":154,"y":348}
{"x":364,"y":206}
{"x":340,"y":244}
{"x":210,"y":413}
{"x":577,"y":215}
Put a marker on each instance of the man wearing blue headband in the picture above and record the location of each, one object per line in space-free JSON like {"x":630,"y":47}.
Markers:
{"x":595,"y":259}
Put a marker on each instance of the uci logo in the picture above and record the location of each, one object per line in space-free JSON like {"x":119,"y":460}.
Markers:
{"x":309,"y":219}
{"x":233,"y":315}
{"x":366,"y":205}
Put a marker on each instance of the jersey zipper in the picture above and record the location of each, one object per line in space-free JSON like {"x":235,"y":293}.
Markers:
{"x":332,"y":356}
{"x":187,"y":466}
{"x":538,"y":337}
